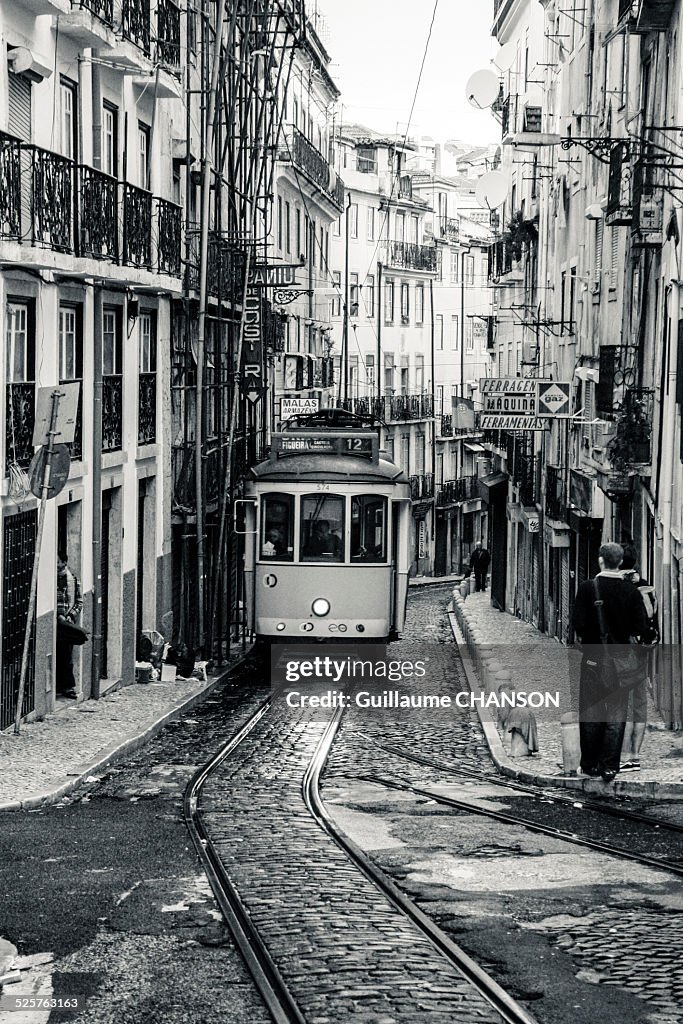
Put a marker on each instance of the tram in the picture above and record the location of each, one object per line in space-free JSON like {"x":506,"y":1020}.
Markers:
{"x":327,"y":523}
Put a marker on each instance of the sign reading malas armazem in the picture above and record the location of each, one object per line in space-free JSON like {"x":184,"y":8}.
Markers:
{"x":506,"y":421}
{"x":554,"y":398}
{"x":297,"y":406}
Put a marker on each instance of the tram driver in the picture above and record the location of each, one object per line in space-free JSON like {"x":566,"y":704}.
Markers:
{"x":323,"y":541}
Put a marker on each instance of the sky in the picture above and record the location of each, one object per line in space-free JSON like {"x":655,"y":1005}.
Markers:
{"x":376,"y":47}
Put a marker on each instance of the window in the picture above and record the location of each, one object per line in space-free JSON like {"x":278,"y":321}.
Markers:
{"x":19,"y":107}
{"x":322,"y":528}
{"x":469,"y":335}
{"x":389,"y":373}
{"x":148,"y":343}
{"x":419,"y":374}
{"x":414,"y":229}
{"x":420,"y":448}
{"x":112,"y":362}
{"x":389,"y":448}
{"x":20,"y":356}
{"x":298,"y":232}
{"x":368,"y":528}
{"x":454,"y":267}
{"x":405,"y":452}
{"x":369,"y":295}
{"x":366,"y":160}
{"x":353,"y":220}
{"x":277,"y":527}
{"x":336,"y":227}
{"x":614,"y":257}
{"x":371,"y":224}
{"x":110,"y":139}
{"x":336,"y":300}
{"x":389,"y":302}
{"x":419,"y":303}
{"x":572,"y":300}
{"x":68,"y":108}
{"x":439,"y":399}
{"x":438,"y":331}
{"x":405,"y":377}
{"x":469,"y":269}
{"x":439,"y":468}
{"x":143,"y":153}
{"x":405,"y":303}
{"x":400,"y":227}
{"x":70,"y":344}
{"x":353,"y":375}
{"x":370,"y":368}
{"x":288,"y":226}
{"x":455,"y":333}
{"x":353,"y":295}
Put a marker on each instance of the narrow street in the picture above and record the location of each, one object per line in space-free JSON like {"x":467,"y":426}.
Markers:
{"x":108,"y":884}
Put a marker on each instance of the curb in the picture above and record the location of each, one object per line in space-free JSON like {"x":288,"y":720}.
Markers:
{"x":648,"y":791}
{"x":128,"y":746}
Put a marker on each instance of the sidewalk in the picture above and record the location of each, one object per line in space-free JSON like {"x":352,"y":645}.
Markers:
{"x":51,"y":757}
{"x":536,"y":661}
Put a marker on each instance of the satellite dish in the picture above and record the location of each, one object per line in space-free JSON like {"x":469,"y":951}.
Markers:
{"x":506,"y":57}
{"x":492,"y":189}
{"x":21,"y":59}
{"x":483,"y":88}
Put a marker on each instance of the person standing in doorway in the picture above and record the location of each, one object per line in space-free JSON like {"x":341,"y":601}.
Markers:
{"x":479,"y":565}
{"x":69,"y":607}
{"x":636,"y":717}
{"x":602,"y":703}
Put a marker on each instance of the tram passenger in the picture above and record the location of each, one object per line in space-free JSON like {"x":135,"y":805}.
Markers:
{"x":274,"y":546}
{"x":323,"y":541}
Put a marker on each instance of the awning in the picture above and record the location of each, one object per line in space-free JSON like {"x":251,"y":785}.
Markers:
{"x":473,"y":446}
{"x":489,"y":484}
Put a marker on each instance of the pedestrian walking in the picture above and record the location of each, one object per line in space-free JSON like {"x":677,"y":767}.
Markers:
{"x":479,"y":565}
{"x":69,"y":607}
{"x":636,"y":714}
{"x":608,"y":611}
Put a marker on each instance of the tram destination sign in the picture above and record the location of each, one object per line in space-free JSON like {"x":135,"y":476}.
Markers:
{"x":294,"y":442}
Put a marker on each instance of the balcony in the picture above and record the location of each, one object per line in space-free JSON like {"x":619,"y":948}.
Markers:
{"x":405,"y":187}
{"x":421,"y":486}
{"x":167,"y":43}
{"x":500,"y":259}
{"x":10,"y":186}
{"x":102,"y":9}
{"x":306,"y":158}
{"x":644,"y":16}
{"x":225,"y":266}
{"x":51,"y":207}
{"x":169,"y":224}
{"x":631,"y":446}
{"x":99,"y":214}
{"x":21,"y":414}
{"x":147,"y":408}
{"x":112,"y":412}
{"x":556,"y":496}
{"x":412,"y":256}
{"x":446,"y":426}
{"x":451,"y":492}
{"x":449,"y":228}
{"x":619,"y":209}
{"x":135,"y":23}
{"x":401,"y":408}
{"x":137,"y":227}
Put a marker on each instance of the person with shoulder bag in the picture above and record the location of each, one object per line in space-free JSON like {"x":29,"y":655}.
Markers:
{"x":636,"y":715}
{"x":69,"y":632}
{"x":608,"y":616}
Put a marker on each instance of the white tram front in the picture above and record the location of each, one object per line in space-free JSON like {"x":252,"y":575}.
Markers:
{"x":327,"y":546}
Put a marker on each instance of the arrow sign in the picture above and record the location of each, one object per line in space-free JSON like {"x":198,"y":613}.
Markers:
{"x":554,"y":398}
{"x":255,"y":395}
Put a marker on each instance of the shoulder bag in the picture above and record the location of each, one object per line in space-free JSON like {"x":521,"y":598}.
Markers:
{"x":622,"y":660}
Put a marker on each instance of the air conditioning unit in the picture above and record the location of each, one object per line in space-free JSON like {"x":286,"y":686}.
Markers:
{"x":530,"y":353}
{"x":603,"y":432}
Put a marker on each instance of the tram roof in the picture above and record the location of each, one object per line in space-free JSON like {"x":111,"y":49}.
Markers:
{"x":328,"y":467}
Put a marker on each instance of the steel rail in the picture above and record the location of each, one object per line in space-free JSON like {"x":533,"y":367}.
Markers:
{"x":532,"y":826}
{"x":496,"y":780}
{"x":510,"y":1011}
{"x":269,"y":981}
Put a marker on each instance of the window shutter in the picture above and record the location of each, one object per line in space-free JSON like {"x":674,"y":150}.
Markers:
{"x":19,"y":113}
{"x":599,"y":236}
{"x":614,"y":263}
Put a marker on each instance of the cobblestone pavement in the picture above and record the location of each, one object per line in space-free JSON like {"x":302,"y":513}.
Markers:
{"x":540,"y":662}
{"x":49,"y":753}
{"x":561,"y":926}
{"x":344,"y":951}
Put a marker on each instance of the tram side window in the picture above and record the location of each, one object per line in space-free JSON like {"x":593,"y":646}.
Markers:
{"x":322,"y":528}
{"x":277,"y":527}
{"x":368,"y":528}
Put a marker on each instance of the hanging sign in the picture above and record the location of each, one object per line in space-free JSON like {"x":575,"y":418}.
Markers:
{"x":281,"y":275}
{"x":297,"y":406}
{"x":493,"y":421}
{"x":67,"y":412}
{"x":251,"y":336}
{"x":554,"y":398}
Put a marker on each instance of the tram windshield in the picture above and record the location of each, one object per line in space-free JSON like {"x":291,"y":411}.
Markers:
{"x":368,"y":528}
{"x":322,"y":528}
{"x":277,"y":527}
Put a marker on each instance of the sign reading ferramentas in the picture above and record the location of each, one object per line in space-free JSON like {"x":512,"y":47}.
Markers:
{"x":492,"y":421}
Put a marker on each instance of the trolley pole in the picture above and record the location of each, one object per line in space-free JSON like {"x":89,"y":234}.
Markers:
{"x":30,"y":615}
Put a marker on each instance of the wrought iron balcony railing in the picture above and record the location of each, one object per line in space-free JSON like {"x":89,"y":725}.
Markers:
{"x":135,"y":23}
{"x":225,"y":265}
{"x":137,"y":226}
{"x":102,"y":9}
{"x":20,"y":420}
{"x":405,"y":187}
{"x":446,"y":427}
{"x":556,"y":496}
{"x":169,"y":237}
{"x":112,"y":412}
{"x":500,"y":258}
{"x":421,"y":486}
{"x":449,"y":228}
{"x":51,"y":198}
{"x":410,"y":407}
{"x":147,"y":408}
{"x":10,"y":186}
{"x":632,"y":443}
{"x":308,"y":159}
{"x":168,"y":35}
{"x":412,"y":256}
{"x":98,"y":214}
{"x":464,"y":488}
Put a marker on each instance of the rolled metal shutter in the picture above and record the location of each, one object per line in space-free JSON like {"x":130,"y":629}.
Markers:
{"x":19,"y":113}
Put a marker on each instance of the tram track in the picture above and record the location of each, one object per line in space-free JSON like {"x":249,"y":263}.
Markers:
{"x":269,"y":980}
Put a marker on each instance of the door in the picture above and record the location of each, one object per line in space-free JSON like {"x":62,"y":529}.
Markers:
{"x":19,"y":543}
{"x":104,"y":583}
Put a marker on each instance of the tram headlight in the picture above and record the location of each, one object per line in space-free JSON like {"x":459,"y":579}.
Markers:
{"x":280,"y":626}
{"x":320,"y":606}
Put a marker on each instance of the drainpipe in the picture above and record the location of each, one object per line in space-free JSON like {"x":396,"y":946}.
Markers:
{"x":96,"y":645}
{"x":433,"y":438}
{"x":345,"y":335}
{"x":378,"y":300}
{"x":465,"y":249}
{"x":665,"y":498}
